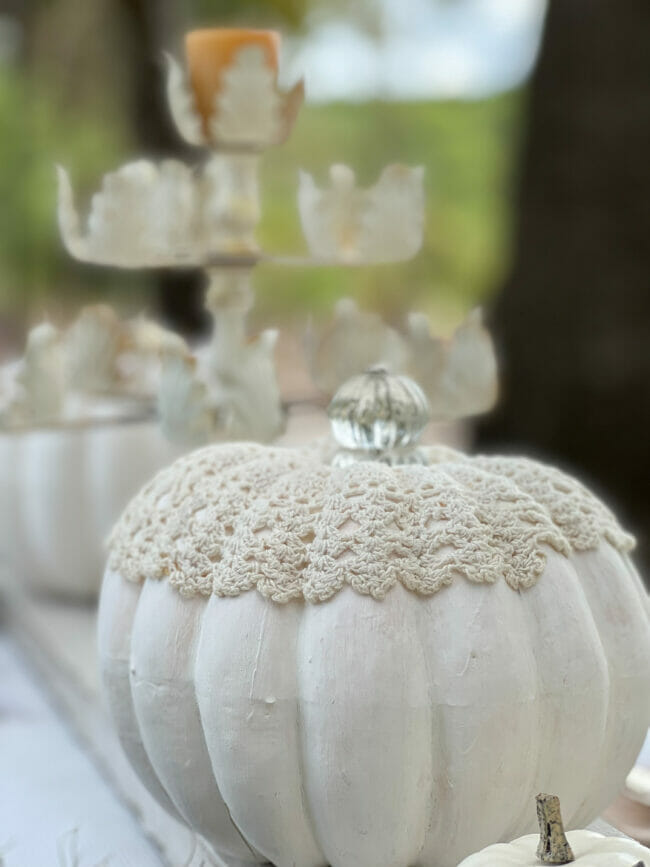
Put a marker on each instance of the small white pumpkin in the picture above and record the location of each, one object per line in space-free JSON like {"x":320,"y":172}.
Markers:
{"x":334,"y":662}
{"x":553,"y":846}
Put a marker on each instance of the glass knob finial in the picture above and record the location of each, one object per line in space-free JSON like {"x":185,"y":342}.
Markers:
{"x":379,"y":416}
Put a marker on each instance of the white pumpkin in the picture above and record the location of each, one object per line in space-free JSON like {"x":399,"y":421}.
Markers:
{"x":552,"y":846}
{"x":76,"y":441}
{"x":333,"y":663}
{"x":62,"y":490}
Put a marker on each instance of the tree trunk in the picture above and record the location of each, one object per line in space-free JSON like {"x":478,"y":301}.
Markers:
{"x":150,"y":28}
{"x":573,"y":320}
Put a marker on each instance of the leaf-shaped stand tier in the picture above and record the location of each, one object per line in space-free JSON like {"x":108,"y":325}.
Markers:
{"x":459,"y":375}
{"x":381,"y":224}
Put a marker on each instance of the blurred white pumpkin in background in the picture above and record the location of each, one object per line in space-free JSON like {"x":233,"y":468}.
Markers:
{"x":66,"y":486}
{"x":366,"y":660}
{"x":77,"y":438}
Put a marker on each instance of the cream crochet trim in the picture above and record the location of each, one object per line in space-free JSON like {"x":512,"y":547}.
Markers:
{"x":231,"y":518}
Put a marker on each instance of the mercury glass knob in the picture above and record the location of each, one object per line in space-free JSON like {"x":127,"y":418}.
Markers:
{"x":379,"y":416}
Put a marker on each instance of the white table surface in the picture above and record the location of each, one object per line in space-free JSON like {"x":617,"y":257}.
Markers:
{"x":52,"y":650}
{"x":56,"y":808}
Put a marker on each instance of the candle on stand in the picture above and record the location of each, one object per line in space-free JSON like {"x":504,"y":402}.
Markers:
{"x":211,"y":52}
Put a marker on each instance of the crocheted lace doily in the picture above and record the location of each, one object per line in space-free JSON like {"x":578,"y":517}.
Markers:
{"x":231,"y":518}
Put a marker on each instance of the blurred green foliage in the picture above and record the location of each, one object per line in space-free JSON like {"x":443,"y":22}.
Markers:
{"x":255,"y":13}
{"x":294,"y":15}
{"x":36,"y":134}
{"x":468,"y":150}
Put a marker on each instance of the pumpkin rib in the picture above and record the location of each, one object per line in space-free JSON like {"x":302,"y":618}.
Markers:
{"x":483,"y":689}
{"x":118,"y":604}
{"x":575,"y":667}
{"x":366,"y":724}
{"x":622,"y":625}
{"x":243,"y":687}
{"x":162,"y":687}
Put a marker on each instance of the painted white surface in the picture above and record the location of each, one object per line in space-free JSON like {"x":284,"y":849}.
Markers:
{"x":60,"y":642}
{"x":62,"y":490}
{"x":250,"y":722}
{"x":50,"y":790}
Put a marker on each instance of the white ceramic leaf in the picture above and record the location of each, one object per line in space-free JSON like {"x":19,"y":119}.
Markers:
{"x":248,"y":109}
{"x":92,"y":348}
{"x":426,"y":354}
{"x":393,"y":219}
{"x":229,"y":390}
{"x":139,"y":364}
{"x":181,"y":104}
{"x":353,"y":342}
{"x":144,"y":215}
{"x":459,"y":376}
{"x":471,"y":375}
{"x":165,"y":214}
{"x":41,"y":375}
{"x":68,"y":217}
{"x":147,"y":337}
{"x":243,"y":384}
{"x":350,"y":225}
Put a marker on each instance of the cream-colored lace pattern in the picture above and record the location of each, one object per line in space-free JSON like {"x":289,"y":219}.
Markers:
{"x":231,"y":518}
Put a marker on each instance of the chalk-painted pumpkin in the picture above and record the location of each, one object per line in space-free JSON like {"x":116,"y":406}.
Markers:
{"x":553,"y":846}
{"x":333,"y":662}
{"x":77,"y":440}
{"x":63,"y":489}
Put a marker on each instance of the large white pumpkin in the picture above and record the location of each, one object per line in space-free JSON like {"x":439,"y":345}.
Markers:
{"x":62,"y":489}
{"x":317,"y":663}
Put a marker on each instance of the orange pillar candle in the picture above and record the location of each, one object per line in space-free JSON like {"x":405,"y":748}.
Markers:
{"x":211,"y":52}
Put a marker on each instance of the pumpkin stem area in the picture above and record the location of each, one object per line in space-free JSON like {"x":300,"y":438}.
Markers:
{"x":553,"y":845}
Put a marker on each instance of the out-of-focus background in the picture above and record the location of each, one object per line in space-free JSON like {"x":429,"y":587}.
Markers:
{"x":422,"y":82}
{"x":532,"y":119}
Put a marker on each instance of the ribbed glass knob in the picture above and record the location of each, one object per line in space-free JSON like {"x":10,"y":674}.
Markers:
{"x":379,"y":416}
